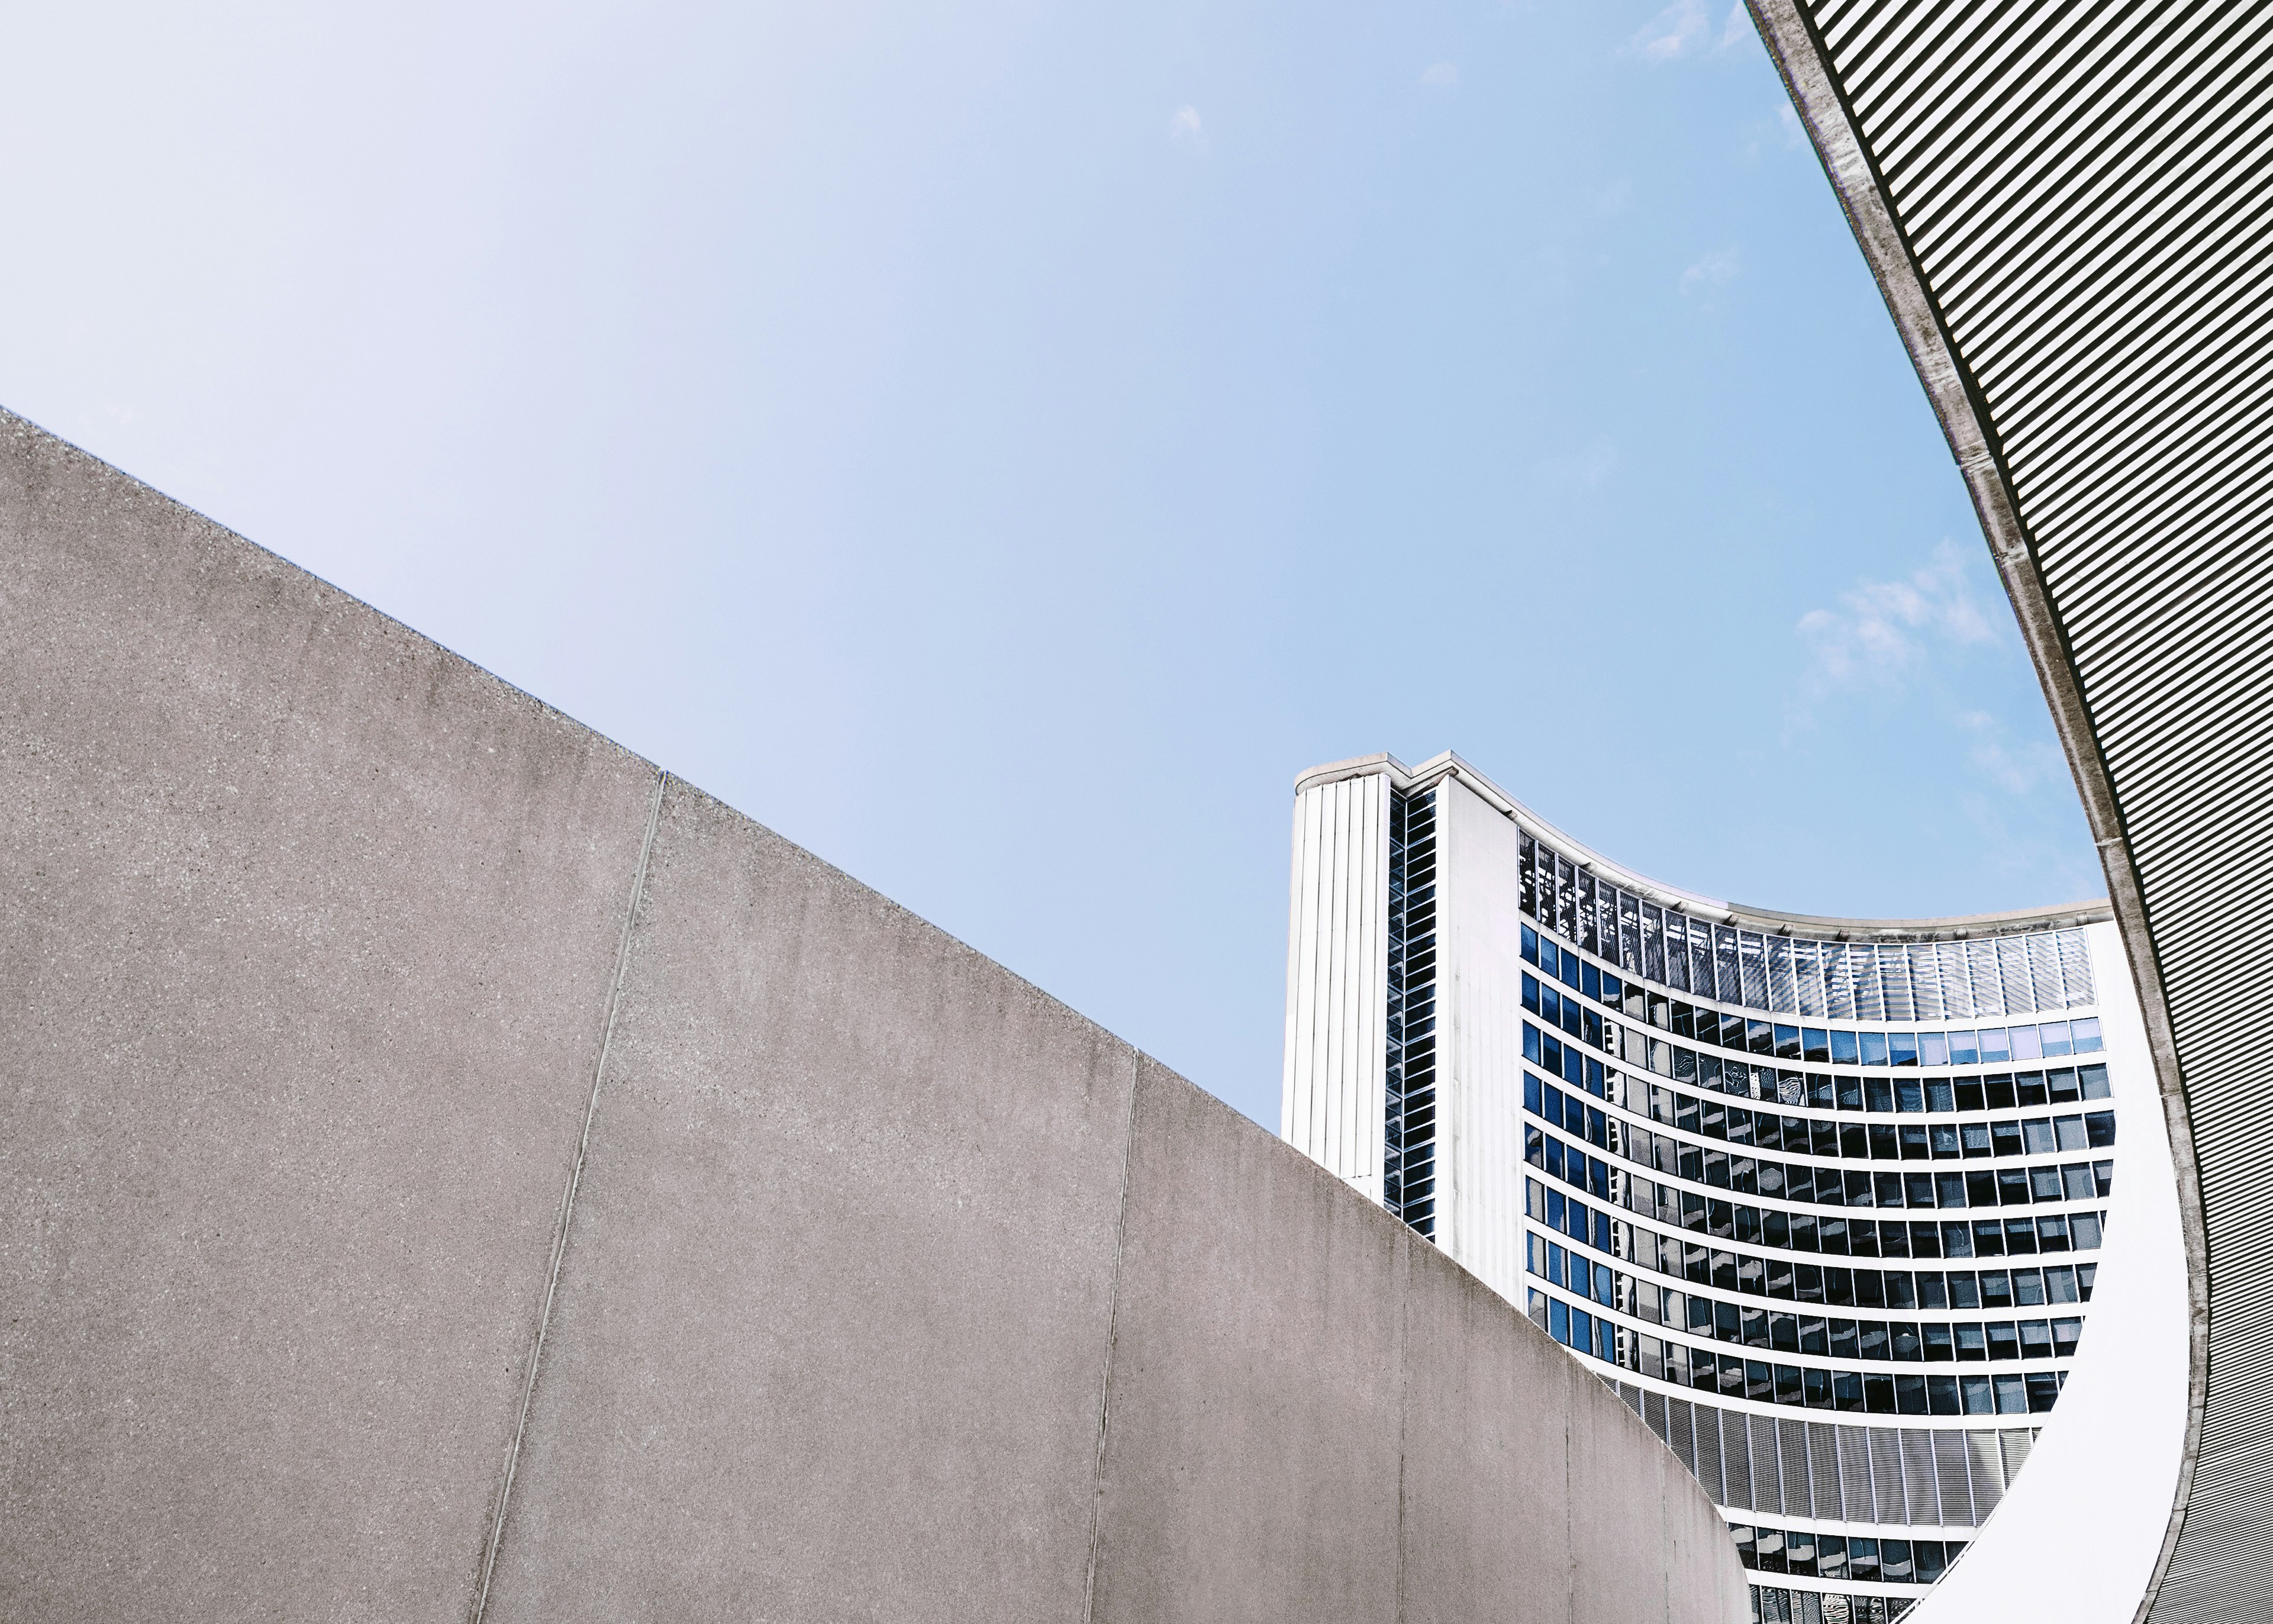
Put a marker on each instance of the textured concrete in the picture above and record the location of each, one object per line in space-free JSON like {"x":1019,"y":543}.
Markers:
{"x":1250,"y":1465}
{"x":309,"y":930}
{"x":832,"y":1322}
{"x":889,"y":1288}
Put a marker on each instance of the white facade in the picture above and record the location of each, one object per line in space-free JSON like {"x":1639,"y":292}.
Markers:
{"x":1337,"y":971}
{"x":1834,"y":1229}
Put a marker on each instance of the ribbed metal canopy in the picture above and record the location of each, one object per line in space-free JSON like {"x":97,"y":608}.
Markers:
{"x":2070,"y":209}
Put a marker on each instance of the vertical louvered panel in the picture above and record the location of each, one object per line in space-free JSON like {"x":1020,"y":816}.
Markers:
{"x":1709,"y":1464}
{"x":1988,"y":988}
{"x":1783,"y":991}
{"x":1792,"y":1457}
{"x":2045,"y":972}
{"x":1886,"y":1476}
{"x":1823,"y":1470}
{"x":1951,"y":1479}
{"x":2016,"y":1445}
{"x":1840,"y":982}
{"x":1926,"y":981}
{"x":1921,"y":1497}
{"x":1736,"y":1458}
{"x":1986,"y":1459}
{"x":1807,"y":969}
{"x":1956,"y":981}
{"x":1767,"y":1466}
{"x":1894,"y":982}
{"x":1854,"y":1474}
{"x":2012,"y":970}
{"x":2075,"y":968}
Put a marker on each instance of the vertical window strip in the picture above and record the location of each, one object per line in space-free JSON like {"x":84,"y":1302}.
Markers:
{"x":1409,"y":1109}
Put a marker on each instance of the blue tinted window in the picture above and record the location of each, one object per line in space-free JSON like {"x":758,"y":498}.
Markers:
{"x":1994,"y":1045}
{"x":1842,"y":1048}
{"x":1590,"y":980}
{"x":1965,"y":1050}
{"x":1531,"y":1093}
{"x":1902,"y":1049}
{"x":1558,"y":1320}
{"x":1530,"y":946}
{"x":1875,"y":1049}
{"x":1815,"y":1046}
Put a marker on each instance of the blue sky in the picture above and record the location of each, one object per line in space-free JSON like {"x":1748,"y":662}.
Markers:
{"x":999,"y":445}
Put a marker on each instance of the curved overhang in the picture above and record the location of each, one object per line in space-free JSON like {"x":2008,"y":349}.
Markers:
{"x":1448,"y":764}
{"x":2069,"y":210}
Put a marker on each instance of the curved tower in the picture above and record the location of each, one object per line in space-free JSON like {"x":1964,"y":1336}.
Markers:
{"x":1824,"y":1199}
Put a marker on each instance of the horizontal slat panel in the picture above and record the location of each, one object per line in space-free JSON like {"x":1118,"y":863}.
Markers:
{"x":2087,"y":190}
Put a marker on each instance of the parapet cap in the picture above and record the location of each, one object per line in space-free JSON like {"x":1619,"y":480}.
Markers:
{"x":1771,"y":920}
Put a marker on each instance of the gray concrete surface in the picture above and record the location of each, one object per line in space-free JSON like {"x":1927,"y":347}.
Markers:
{"x":891,"y":1287}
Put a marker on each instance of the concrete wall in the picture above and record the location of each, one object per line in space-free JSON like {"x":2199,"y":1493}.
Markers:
{"x":449,"y":1170}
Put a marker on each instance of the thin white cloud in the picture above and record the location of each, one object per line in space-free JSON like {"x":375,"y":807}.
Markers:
{"x":1186,"y":129}
{"x":1684,"y":31}
{"x":1720,"y":266}
{"x":1441,"y":75}
{"x":1882,"y":631}
{"x":2016,"y":768}
{"x":1680,"y":30}
{"x":1587,"y":467}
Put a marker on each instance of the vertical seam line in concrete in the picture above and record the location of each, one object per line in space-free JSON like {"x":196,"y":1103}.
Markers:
{"x":1570,"y":1495}
{"x":1112,"y":1337}
{"x":1405,"y":1242}
{"x":568,"y":1198}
